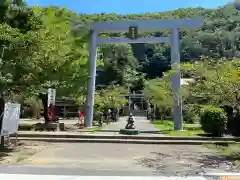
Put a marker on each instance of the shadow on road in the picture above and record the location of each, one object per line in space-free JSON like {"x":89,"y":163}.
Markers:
{"x":218,"y":162}
{"x":6,"y":151}
{"x":155,"y":162}
{"x":186,"y":163}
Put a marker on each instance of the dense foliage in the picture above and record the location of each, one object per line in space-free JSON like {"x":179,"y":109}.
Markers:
{"x":39,"y":48}
{"x":69,"y":51}
{"x":107,"y":98}
{"x":214,"y":83}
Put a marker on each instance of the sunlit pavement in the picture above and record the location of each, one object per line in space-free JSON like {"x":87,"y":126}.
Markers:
{"x":175,"y":160}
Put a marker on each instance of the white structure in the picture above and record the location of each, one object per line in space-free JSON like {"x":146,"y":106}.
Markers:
{"x":186,"y":81}
{"x":142,"y":26}
{"x":10,"y":119}
{"x":51,"y":96}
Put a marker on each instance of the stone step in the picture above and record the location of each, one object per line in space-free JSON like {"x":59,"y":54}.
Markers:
{"x":118,"y":136}
{"x":139,"y":113}
{"x":125,"y":141}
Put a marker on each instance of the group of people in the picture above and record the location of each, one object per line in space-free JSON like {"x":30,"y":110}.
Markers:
{"x":150,"y":112}
{"x":108,"y":115}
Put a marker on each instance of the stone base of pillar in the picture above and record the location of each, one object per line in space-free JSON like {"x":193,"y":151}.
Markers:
{"x":129,"y":131}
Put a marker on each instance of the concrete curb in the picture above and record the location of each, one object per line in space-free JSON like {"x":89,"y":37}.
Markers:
{"x":126,"y":141}
{"x":133,"y":137}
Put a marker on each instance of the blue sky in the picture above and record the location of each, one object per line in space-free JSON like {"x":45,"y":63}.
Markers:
{"x":127,"y":6}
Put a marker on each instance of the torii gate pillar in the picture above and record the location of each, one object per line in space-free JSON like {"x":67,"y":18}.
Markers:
{"x":176,"y":80}
{"x":91,"y":80}
{"x":143,"y":26}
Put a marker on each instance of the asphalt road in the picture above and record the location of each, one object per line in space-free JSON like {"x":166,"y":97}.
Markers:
{"x":73,"y":160}
{"x":168,"y":160}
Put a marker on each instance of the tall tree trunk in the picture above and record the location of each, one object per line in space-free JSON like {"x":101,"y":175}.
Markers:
{"x":36,"y":114}
{"x":44,"y":99}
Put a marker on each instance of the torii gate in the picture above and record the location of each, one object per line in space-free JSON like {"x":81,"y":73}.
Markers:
{"x":142,"y":26}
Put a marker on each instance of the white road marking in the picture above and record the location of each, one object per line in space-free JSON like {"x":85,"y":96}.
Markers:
{"x":221,"y":174}
{"x":61,"y":177}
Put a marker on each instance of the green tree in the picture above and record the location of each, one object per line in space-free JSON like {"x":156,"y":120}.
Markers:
{"x":214,"y":82}
{"x":117,"y":59}
{"x":159,"y":93}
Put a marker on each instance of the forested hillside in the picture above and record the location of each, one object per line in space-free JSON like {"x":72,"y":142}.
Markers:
{"x":40,"y":50}
{"x":218,"y":38}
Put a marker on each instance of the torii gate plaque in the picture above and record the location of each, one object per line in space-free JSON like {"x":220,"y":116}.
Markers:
{"x":142,"y":26}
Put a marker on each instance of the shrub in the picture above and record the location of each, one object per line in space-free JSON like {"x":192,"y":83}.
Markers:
{"x":233,"y":122}
{"x":213,"y":120}
{"x":230,"y":116}
{"x":236,"y":125}
{"x":190,"y":114}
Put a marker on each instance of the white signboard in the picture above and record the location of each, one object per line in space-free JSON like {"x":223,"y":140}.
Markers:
{"x":51,"y":96}
{"x":10,"y":119}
